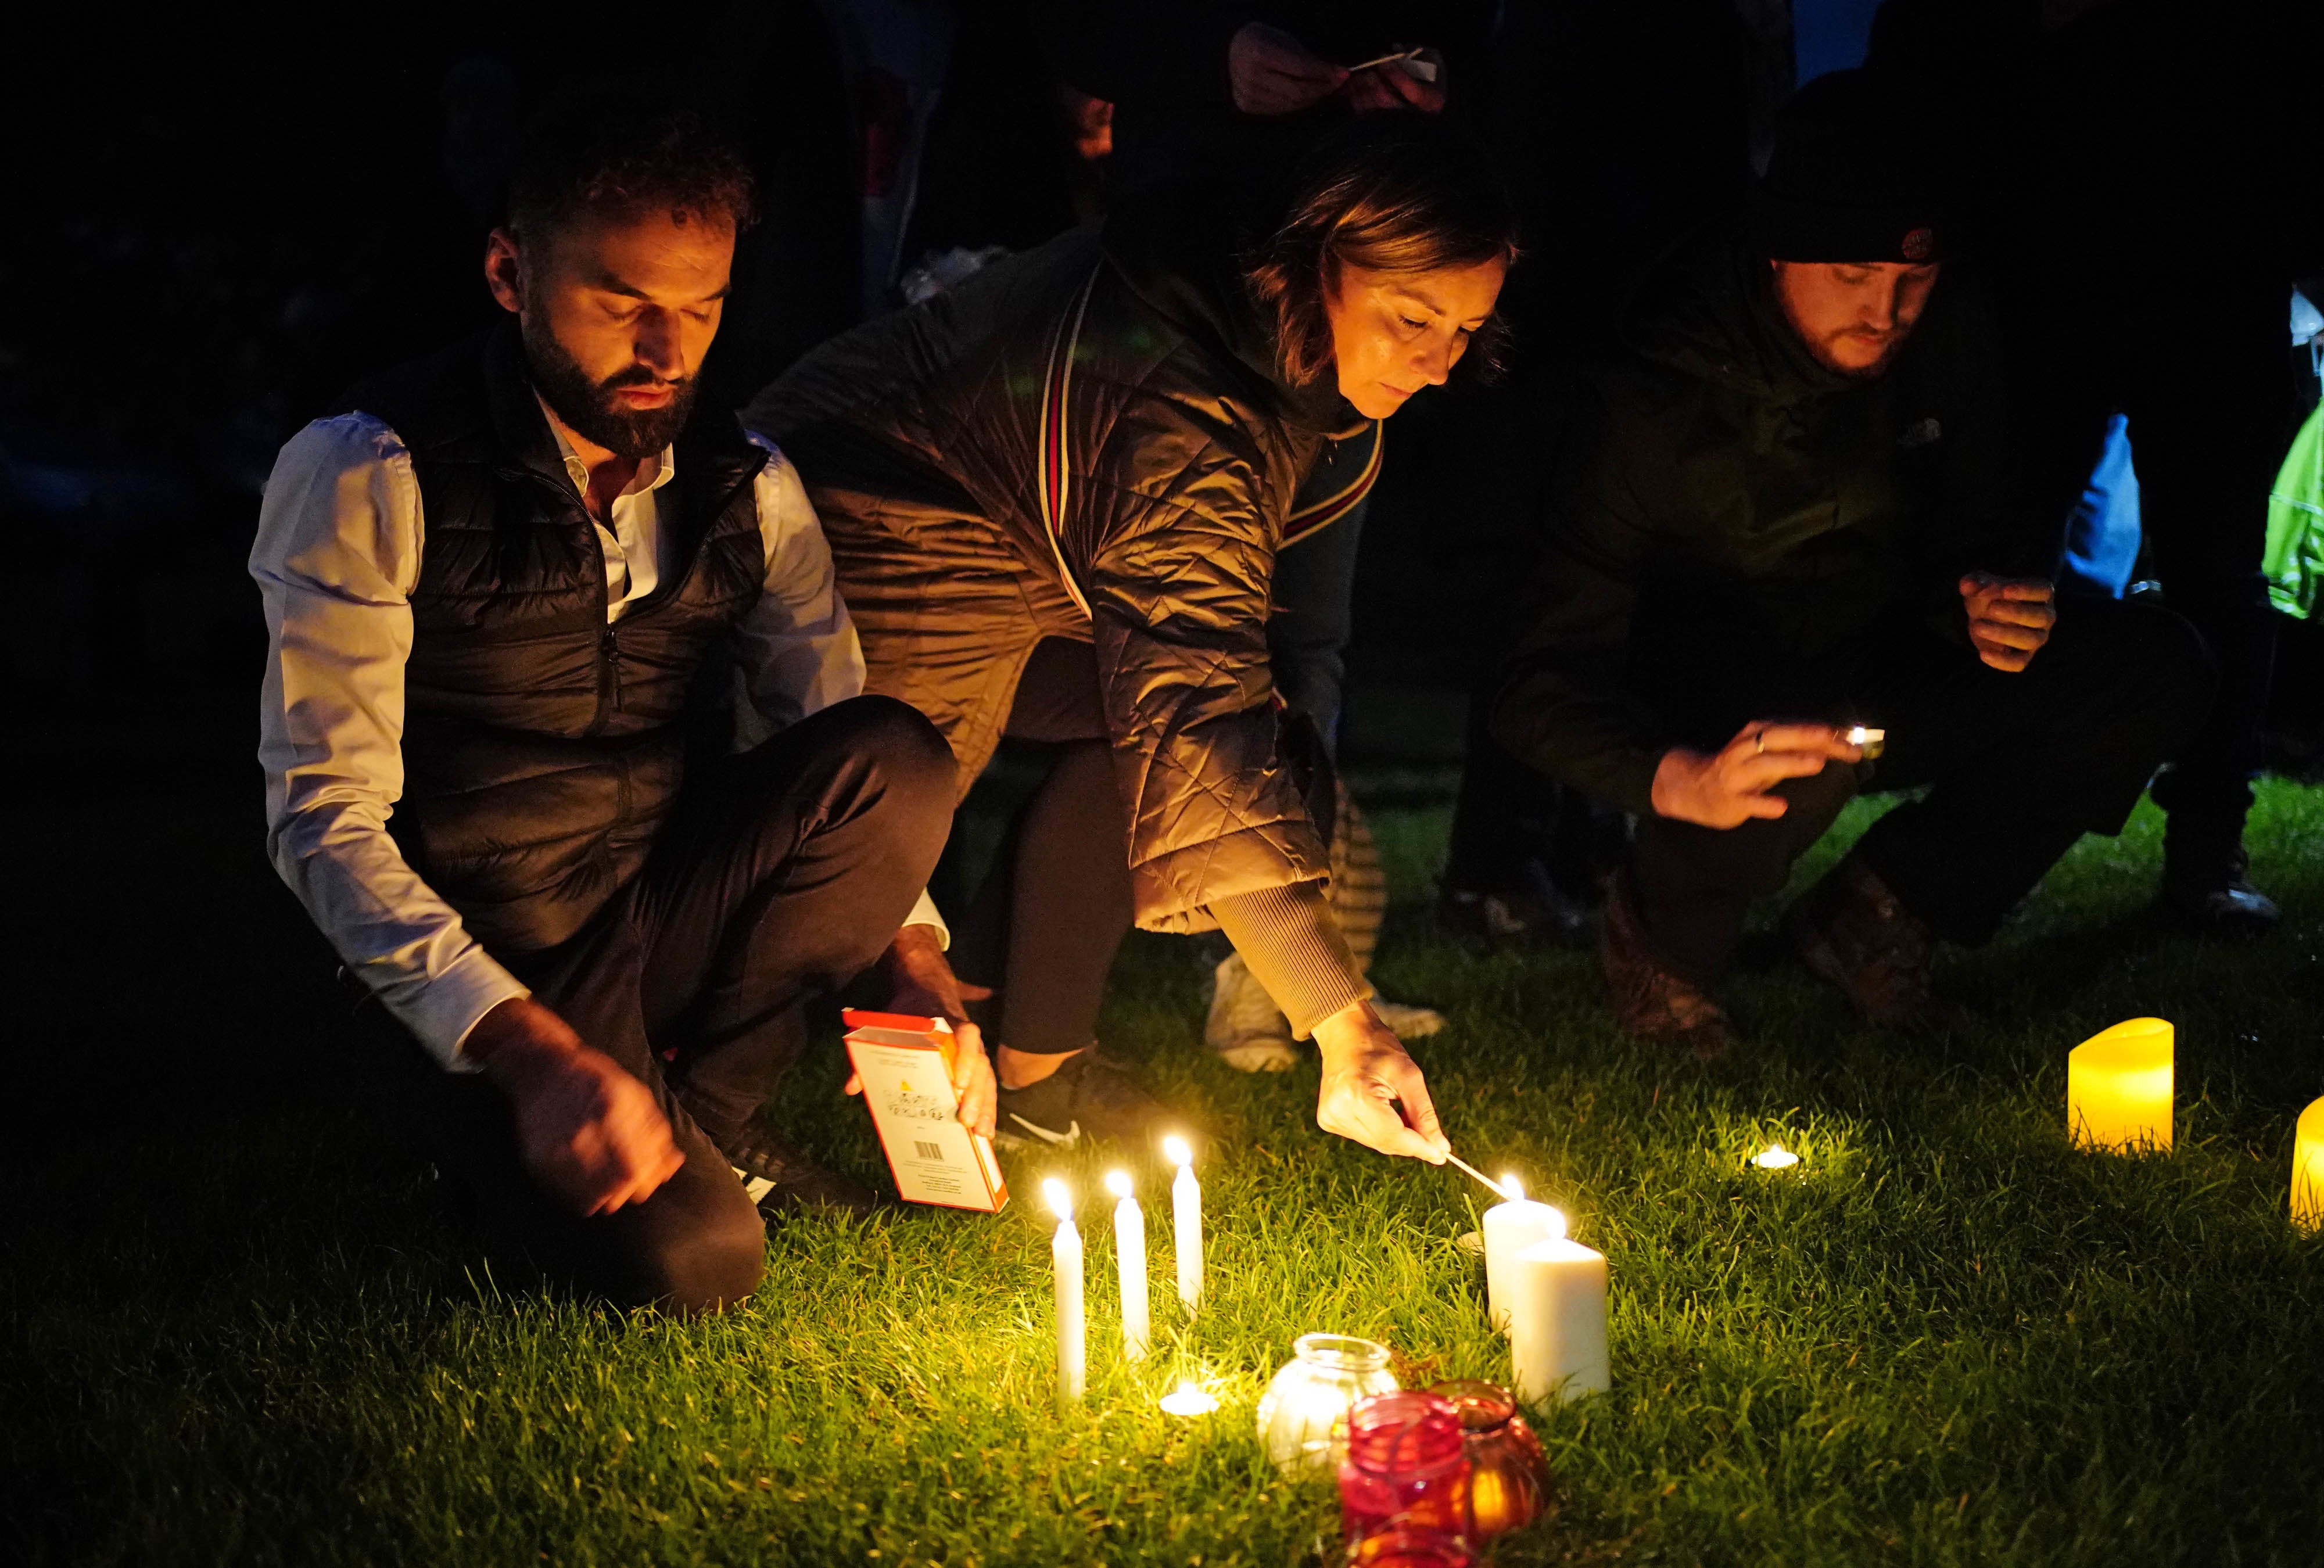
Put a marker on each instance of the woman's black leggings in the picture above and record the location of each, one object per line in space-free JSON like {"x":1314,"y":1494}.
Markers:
{"x":1043,"y":928}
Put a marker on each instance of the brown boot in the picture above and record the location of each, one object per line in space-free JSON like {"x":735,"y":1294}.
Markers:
{"x":1651,"y":1000}
{"x":1855,"y":933}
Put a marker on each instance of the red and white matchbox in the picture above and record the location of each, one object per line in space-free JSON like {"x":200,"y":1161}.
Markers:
{"x":905,"y":1066}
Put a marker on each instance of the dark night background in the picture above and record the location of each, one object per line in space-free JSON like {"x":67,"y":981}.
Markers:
{"x":218,"y":216}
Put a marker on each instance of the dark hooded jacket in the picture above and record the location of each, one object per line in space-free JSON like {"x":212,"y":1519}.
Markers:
{"x":1119,"y":384}
{"x":1717,"y":463}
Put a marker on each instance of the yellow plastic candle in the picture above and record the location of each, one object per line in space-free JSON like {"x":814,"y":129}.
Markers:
{"x":2119,"y":1086}
{"x":2307,"y":1169}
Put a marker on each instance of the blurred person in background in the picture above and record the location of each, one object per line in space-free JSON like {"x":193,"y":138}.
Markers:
{"x":2148,"y":173}
{"x":1788,"y":512}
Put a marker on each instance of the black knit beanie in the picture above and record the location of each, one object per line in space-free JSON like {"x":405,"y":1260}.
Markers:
{"x":1854,"y":174}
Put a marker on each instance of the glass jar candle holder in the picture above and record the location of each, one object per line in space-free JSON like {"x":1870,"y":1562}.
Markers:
{"x":1406,"y":1467}
{"x":1508,"y":1474}
{"x":1402,"y":1548}
{"x":1303,"y":1415}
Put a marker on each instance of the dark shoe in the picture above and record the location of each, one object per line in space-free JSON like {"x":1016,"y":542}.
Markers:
{"x":1089,"y":1096}
{"x":1852,"y":929}
{"x":1535,"y":910}
{"x":780,"y":1179}
{"x":2215,"y":897}
{"x":1651,"y":999}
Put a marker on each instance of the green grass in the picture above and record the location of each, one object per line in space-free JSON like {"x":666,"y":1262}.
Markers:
{"x":248,"y":1333}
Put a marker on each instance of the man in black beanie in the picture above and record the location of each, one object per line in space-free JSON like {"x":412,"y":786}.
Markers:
{"x":1783,"y":523}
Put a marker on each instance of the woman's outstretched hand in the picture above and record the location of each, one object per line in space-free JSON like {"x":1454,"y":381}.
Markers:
{"x":1366,"y":1073}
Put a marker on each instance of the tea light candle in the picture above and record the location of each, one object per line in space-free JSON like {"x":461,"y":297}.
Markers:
{"x":1557,"y":1321}
{"x":2118,"y":1088}
{"x":1874,"y":742}
{"x":2307,"y":1169}
{"x":1186,"y":1211}
{"x":1775,"y":1156}
{"x":1509,"y":1227}
{"x":1188,"y":1399}
{"x":1129,"y":1257}
{"x":1066,"y":1257}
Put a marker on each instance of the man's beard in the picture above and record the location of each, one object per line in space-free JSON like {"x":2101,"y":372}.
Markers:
{"x":1872,"y":371}
{"x":589,"y":407}
{"x":1820,"y":349}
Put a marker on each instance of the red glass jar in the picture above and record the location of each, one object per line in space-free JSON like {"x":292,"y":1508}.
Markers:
{"x":1508,"y":1474}
{"x":1407,"y":1468}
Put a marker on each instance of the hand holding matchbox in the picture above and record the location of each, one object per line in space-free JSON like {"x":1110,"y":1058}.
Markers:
{"x":905,"y":1066}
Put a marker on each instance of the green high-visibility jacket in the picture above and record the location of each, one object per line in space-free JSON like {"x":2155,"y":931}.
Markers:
{"x":2294,"y":563}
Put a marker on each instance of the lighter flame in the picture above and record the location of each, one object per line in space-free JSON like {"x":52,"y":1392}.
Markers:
{"x":1512,"y":1189}
{"x":1059,"y":1196}
{"x":1175,"y":1151}
{"x":1117,"y":1182}
{"x":1775,"y":1156}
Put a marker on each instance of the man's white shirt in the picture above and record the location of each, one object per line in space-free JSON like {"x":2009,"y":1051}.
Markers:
{"x":340,"y":538}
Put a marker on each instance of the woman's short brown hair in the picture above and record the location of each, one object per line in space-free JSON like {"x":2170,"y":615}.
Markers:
{"x":1390,"y":193}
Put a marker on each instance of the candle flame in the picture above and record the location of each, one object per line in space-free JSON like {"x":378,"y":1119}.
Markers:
{"x":1555,"y":1225}
{"x":1176,"y":1150}
{"x":1059,"y":1196}
{"x":1775,"y":1156}
{"x":1856,"y":735}
{"x":1512,"y":1189}
{"x":1117,"y":1182}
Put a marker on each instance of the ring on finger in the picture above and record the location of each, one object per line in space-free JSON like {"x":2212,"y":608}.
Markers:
{"x":1759,"y":742}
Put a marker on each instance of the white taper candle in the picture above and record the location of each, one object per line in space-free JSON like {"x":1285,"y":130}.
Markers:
{"x":1186,"y":1210}
{"x":1066,"y":1255}
{"x":1129,"y":1257}
{"x":1508,"y":1229}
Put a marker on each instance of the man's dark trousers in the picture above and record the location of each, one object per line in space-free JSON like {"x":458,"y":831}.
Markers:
{"x":2017,"y":767}
{"x":782,"y":875}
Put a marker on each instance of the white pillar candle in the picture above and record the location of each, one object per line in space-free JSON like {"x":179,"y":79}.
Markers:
{"x":1186,"y":1210}
{"x":2119,"y":1088}
{"x":1129,"y":1258}
{"x":1066,"y":1257}
{"x":2307,"y":1169}
{"x":1508,"y":1229}
{"x":1557,"y":1321}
